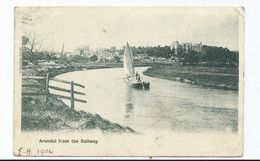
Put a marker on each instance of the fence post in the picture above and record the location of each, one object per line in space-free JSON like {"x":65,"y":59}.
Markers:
{"x":47,"y":88}
{"x":72,"y":94}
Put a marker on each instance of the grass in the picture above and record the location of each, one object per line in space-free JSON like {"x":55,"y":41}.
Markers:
{"x":55,"y":115}
{"x":213,"y":77}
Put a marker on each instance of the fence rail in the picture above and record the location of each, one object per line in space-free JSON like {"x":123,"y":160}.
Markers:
{"x":33,"y":93}
{"x":66,"y":90}
{"x":33,"y":85}
{"x":33,"y":77}
{"x":67,"y":82}
{"x":47,"y":87}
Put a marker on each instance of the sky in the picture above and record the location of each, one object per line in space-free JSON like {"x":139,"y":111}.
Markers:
{"x":140,"y":26}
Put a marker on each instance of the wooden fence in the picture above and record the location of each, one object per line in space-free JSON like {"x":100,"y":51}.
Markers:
{"x":48,"y":86}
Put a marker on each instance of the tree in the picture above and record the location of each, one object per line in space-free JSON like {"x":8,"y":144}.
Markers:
{"x":78,"y":58}
{"x":34,"y":44}
{"x":52,"y":56}
{"x":25,"y":40}
{"x":113,"y":49}
{"x":117,"y":58}
{"x":191,"y":58}
{"x":30,"y":45}
{"x":93,"y":58}
{"x":179,"y":52}
{"x":121,"y":51}
{"x":219,"y":55}
{"x":48,"y":56}
{"x":26,"y":55}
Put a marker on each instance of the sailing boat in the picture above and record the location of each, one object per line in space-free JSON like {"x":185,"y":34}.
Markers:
{"x":132,"y":78}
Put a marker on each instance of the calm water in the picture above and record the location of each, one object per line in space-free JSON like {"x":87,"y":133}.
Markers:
{"x":168,"y":105}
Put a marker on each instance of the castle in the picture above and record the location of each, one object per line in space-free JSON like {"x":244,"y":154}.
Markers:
{"x":186,"y":47}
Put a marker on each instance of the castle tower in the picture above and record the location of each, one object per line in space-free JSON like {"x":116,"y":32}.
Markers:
{"x":175,"y":46}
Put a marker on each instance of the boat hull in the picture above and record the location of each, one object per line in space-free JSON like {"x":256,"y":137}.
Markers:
{"x":137,"y":85}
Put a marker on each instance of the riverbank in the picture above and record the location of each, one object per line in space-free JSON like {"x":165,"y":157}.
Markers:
{"x":210,"y":77}
{"x":37,"y":115}
{"x":54,"y":69}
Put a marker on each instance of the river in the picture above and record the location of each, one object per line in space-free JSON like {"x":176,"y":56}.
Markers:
{"x":168,"y":105}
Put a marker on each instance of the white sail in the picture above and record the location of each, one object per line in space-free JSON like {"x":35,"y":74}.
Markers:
{"x":128,"y":61}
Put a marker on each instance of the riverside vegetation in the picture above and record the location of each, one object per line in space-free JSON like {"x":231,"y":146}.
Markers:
{"x":212,"y":77}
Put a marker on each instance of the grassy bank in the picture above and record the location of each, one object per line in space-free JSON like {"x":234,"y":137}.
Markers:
{"x":212,"y":77}
{"x":55,"y":115}
{"x":37,"y":115}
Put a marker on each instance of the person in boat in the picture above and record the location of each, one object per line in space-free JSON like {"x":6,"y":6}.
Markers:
{"x":137,"y":76}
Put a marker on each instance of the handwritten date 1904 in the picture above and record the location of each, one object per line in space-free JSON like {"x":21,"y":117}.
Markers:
{"x":30,"y":152}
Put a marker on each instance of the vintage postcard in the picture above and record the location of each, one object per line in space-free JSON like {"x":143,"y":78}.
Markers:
{"x":129,"y":81}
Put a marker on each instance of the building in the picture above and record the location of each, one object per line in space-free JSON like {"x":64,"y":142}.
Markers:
{"x":175,"y":46}
{"x":197,"y":47}
{"x":186,"y":47}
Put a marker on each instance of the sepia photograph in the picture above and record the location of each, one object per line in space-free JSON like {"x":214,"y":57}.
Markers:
{"x":128,"y":81}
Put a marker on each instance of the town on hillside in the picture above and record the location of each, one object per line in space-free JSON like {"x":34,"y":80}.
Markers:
{"x":186,"y":53}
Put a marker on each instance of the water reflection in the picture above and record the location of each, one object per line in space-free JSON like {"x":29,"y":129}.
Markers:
{"x":129,"y":103}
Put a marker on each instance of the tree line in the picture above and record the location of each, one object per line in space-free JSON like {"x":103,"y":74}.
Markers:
{"x":209,"y":54}
{"x":32,"y":51}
